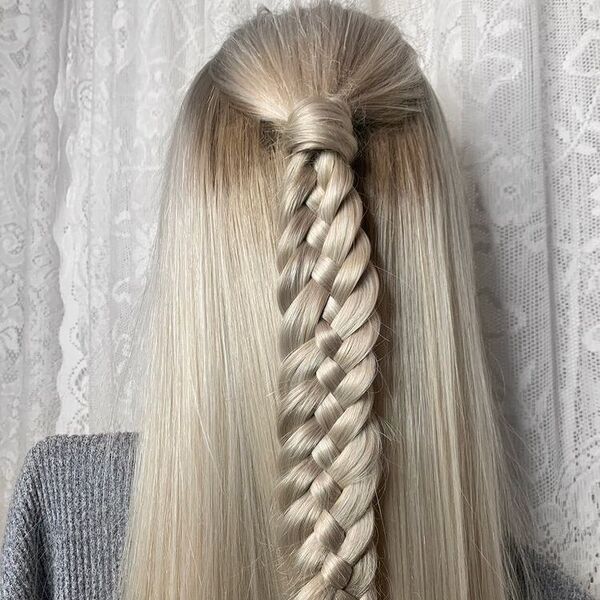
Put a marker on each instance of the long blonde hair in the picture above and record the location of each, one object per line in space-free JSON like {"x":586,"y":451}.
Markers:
{"x":319,"y":422}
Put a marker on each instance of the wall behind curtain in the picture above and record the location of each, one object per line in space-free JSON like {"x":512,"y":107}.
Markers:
{"x":88,"y":93}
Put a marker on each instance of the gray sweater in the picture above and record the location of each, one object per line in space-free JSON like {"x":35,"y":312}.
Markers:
{"x":67,"y":518}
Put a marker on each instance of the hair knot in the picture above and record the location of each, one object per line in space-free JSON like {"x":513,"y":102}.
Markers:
{"x":321,"y":123}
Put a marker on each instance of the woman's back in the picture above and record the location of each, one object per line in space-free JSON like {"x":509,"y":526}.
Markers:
{"x":67,"y":522}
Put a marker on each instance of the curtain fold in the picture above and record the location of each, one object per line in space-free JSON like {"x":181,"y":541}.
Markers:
{"x":88,"y":94}
{"x":30,"y":304}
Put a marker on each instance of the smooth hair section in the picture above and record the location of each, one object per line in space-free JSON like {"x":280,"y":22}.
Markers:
{"x":318,"y":421}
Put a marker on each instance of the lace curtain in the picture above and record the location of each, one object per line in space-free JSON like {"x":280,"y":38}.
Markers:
{"x":88,"y":92}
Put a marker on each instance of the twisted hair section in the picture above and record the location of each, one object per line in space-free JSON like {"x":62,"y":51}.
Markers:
{"x":327,"y":292}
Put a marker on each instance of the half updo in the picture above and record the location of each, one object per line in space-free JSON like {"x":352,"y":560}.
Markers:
{"x":318,"y":423}
{"x":330,"y":457}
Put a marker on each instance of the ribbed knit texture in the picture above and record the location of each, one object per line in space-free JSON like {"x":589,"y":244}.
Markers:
{"x":67,"y":518}
{"x":66,"y":523}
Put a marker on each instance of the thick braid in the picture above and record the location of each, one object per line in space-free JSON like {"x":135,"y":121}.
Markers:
{"x":328,"y":289}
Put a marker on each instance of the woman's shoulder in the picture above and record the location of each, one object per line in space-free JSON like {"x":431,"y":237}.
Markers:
{"x":65,"y":473}
{"x":83,"y":447}
{"x":70,"y":500}
{"x":81,"y":464}
{"x":541,"y":578}
{"x":87,"y":462}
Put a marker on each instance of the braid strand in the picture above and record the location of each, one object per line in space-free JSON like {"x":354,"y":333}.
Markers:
{"x":328,"y":288}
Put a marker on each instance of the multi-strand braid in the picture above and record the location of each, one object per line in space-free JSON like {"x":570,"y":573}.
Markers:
{"x":328,"y":289}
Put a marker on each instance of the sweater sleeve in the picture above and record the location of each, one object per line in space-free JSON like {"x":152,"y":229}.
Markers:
{"x":22,"y":565}
{"x":553,"y":583}
{"x":67,"y":518}
{"x":540,"y":579}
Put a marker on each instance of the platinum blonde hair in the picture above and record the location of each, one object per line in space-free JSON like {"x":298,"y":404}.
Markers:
{"x":319,"y":422}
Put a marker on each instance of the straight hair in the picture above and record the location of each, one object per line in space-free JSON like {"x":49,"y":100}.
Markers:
{"x":318,"y":417}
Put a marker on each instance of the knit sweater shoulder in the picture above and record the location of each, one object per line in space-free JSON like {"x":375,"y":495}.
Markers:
{"x":66,"y":523}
